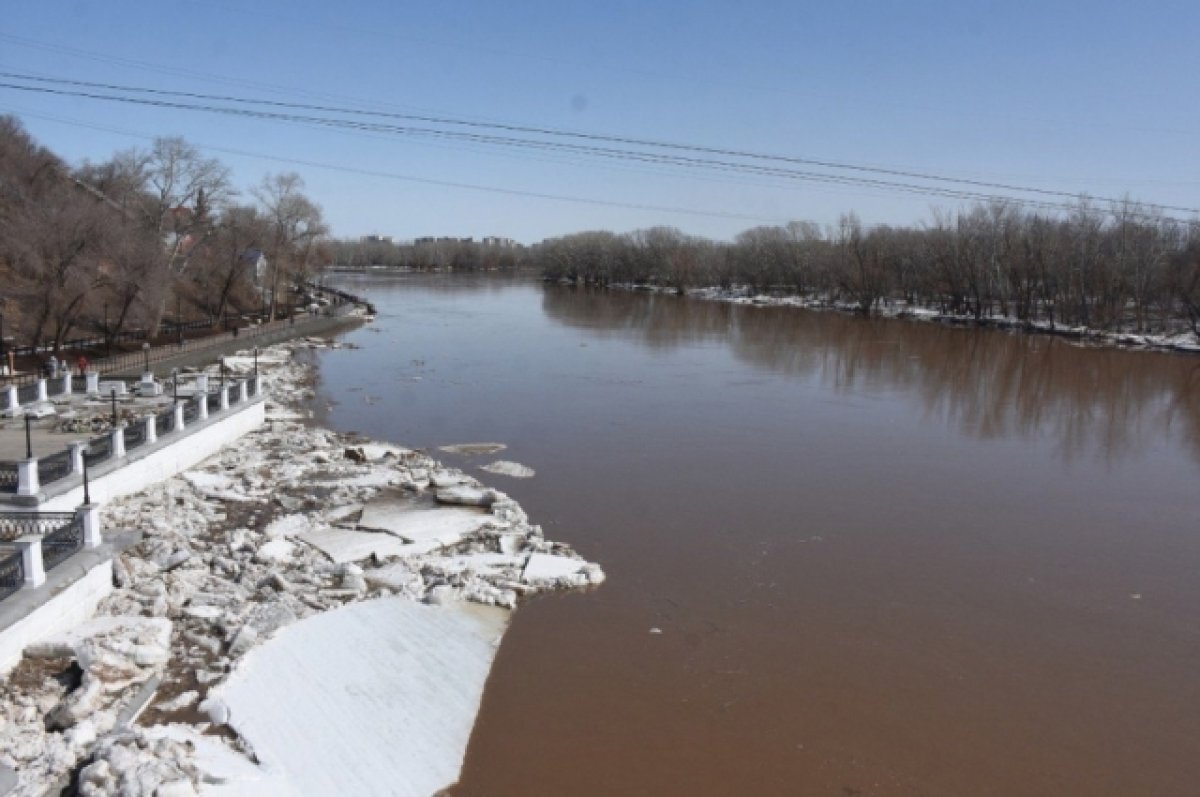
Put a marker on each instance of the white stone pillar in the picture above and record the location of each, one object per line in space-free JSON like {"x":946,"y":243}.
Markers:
{"x":42,"y":395}
{"x":201,"y":383}
{"x":67,"y":383}
{"x":27,"y":477}
{"x":11,"y":402}
{"x":77,"y":448}
{"x":151,"y":428}
{"x":30,"y":547}
{"x":202,"y":406}
{"x":243,"y":391}
{"x":178,"y":425}
{"x":258,"y":384}
{"x":225,"y":397}
{"x":118,"y":442}
{"x":92,"y":382}
{"x":91,"y":525}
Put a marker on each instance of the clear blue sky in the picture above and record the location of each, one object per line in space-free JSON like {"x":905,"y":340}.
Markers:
{"x":1097,"y":97}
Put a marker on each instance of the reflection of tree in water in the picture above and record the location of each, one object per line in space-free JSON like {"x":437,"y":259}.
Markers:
{"x":989,"y":384}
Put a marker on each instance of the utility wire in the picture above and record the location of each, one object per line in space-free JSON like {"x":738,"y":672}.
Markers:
{"x":647,"y":157}
{"x":596,"y":137}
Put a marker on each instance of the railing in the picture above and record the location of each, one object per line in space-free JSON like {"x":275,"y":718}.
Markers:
{"x":27,"y":394}
{"x":98,"y":450}
{"x":14,"y":525}
{"x":12,"y":573}
{"x":54,"y":467}
{"x":58,"y":545}
{"x":191,"y":411}
{"x":135,"y":434}
{"x":79,"y":384}
{"x":235,"y":394}
{"x":9,"y":477}
{"x":165,"y":421}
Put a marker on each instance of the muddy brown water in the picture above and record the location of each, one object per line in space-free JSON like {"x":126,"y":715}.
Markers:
{"x":886,"y":558}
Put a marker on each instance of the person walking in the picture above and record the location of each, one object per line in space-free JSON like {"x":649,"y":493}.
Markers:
{"x":83,"y":365}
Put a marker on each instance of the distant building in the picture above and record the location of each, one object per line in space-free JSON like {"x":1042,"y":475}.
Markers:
{"x":254,"y":258}
{"x":377,"y":239}
{"x":505,"y":243}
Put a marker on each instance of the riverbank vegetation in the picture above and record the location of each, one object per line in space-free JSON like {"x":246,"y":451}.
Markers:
{"x":1121,"y":268}
{"x":151,"y":236}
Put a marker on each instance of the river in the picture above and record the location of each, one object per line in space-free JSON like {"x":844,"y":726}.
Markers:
{"x":845,"y":556}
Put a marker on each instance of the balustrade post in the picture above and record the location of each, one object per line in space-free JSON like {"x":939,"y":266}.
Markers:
{"x":243,"y":391}
{"x":67,"y":383}
{"x":258,"y":384}
{"x":27,"y":477}
{"x":30,"y":547}
{"x":92,"y":382}
{"x":224,"y":397}
{"x":179,"y":424}
{"x":118,"y":442}
{"x":77,"y":448}
{"x":202,"y":406}
{"x":42,"y":395}
{"x":151,"y":428}
{"x":202,"y":383}
{"x":90,"y":515}
{"x":11,"y":402}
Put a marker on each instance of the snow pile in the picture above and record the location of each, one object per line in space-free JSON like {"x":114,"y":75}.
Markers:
{"x":286,"y":523}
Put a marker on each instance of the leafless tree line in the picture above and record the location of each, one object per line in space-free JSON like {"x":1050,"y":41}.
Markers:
{"x":446,"y":254}
{"x":145,"y":236}
{"x":1125,"y":267}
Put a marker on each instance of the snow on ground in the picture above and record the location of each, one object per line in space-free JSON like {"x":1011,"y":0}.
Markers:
{"x":1181,"y":341}
{"x":266,"y":536}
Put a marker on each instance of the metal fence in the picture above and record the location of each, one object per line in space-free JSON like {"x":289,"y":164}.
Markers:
{"x":98,"y":450}
{"x":54,"y":467}
{"x":27,"y":393}
{"x":12,"y":573}
{"x":60,"y":544}
{"x":9,"y":477}
{"x":135,"y":435}
{"x":14,"y":525}
{"x":165,"y":421}
{"x":191,"y":411}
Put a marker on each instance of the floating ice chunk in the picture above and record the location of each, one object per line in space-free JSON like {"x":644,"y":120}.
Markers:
{"x":419,"y":525}
{"x":547,"y":567}
{"x":288,"y":526}
{"x":466,"y":496}
{"x":388,"y":688}
{"x":344,"y":545}
{"x":277,"y":550}
{"x":473,"y":448}
{"x":505,"y":467}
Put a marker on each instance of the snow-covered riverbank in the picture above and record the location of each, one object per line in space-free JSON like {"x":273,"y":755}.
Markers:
{"x":1183,"y":341}
{"x":289,"y":522}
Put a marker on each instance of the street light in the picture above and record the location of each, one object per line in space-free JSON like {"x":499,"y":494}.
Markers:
{"x":87,"y":495}
{"x":28,"y":440}
{"x":222,"y":361}
{"x":174,"y":386}
{"x":179,"y":319}
{"x":256,"y":361}
{"x":146,"y":357}
{"x":113,"y":395}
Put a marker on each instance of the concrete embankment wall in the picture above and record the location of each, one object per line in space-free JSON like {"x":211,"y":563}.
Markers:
{"x":168,"y":457}
{"x":56,"y":611}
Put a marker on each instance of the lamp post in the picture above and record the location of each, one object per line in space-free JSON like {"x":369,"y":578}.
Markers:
{"x":107,"y":338}
{"x":87,"y":494}
{"x":113,"y":395}
{"x":146,"y":357}
{"x":28,"y":440}
{"x":179,"y":319}
{"x":255,"y":361}
{"x":222,"y":361}
{"x":174,"y":386}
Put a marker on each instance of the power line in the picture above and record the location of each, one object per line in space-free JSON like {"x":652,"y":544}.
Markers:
{"x":597,"y":137}
{"x":430,"y":181}
{"x":606,"y":152}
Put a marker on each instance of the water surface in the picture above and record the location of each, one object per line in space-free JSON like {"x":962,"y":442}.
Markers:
{"x":886,"y":558}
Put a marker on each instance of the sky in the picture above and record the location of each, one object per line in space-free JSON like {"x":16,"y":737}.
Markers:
{"x":1098,"y":98}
